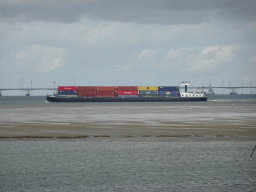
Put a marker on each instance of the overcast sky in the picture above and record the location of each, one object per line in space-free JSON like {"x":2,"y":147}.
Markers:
{"x":130,"y":42}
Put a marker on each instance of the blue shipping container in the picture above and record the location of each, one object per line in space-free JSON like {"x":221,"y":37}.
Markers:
{"x":171,"y":95}
{"x":168,"y":88}
{"x":147,"y":92}
{"x":168,"y":92}
{"x":151,"y":95}
{"x":67,"y":92}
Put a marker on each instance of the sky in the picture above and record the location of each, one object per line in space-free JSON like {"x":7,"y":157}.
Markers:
{"x":130,"y":42}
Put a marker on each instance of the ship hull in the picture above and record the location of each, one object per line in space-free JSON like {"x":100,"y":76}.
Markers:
{"x":124,"y":99}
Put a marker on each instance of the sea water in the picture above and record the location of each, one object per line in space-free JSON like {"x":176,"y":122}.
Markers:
{"x":111,"y":165}
{"x":241,"y":108}
{"x":127,"y":166}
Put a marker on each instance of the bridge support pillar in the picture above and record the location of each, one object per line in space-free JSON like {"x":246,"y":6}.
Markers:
{"x":27,"y":94}
{"x":0,"y":94}
{"x":55,"y":93}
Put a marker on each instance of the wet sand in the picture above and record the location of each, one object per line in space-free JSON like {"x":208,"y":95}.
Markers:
{"x":134,"y":131}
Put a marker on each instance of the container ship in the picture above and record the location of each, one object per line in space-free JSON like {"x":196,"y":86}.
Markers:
{"x":125,"y":94}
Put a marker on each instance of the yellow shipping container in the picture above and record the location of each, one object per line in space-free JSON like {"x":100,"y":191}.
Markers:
{"x":147,"y":88}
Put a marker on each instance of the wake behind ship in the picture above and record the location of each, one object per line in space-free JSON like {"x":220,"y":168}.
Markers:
{"x":125,"y":94}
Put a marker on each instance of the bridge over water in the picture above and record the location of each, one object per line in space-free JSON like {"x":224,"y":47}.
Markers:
{"x":28,"y":90}
{"x":232,"y":89}
{"x":202,"y":88}
{"x":244,"y":87}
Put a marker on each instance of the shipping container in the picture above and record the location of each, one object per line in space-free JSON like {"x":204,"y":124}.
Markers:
{"x":147,"y":88}
{"x":148,"y":92}
{"x":168,"y":92}
{"x":164,"y":92}
{"x":87,"y":92}
{"x":175,"y":92}
{"x":148,"y":95}
{"x":170,"y":95}
{"x":105,"y":88}
{"x":112,"y":95}
{"x":87,"y":88}
{"x":87,"y":95}
{"x":105,"y":93}
{"x":126,"y":88}
{"x":67,"y":88}
{"x":127,"y":93}
{"x":67,"y":92}
{"x":168,"y":88}
{"x":68,"y":95}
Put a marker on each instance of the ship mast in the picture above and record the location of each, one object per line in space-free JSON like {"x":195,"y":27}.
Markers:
{"x":186,"y":83}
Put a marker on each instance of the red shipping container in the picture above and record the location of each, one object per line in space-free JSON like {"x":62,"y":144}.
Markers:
{"x":87,"y":88}
{"x":67,"y":88}
{"x":105,"y":93}
{"x":106,"y":88}
{"x":86,"y":95}
{"x":127,"y":92}
{"x":126,"y":88}
{"x":87,"y":92}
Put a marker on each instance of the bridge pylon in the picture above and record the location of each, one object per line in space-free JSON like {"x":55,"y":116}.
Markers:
{"x":27,"y":94}
{"x":55,"y":93}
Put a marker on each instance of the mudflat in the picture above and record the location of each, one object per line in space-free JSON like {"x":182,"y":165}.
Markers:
{"x":217,"y":130}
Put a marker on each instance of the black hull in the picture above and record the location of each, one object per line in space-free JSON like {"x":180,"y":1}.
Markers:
{"x":127,"y":99}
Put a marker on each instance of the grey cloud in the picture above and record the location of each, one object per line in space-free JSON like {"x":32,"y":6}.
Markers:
{"x":63,"y":13}
{"x":139,"y":11}
{"x":209,"y":55}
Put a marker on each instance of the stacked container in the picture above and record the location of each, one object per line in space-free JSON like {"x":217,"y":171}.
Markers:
{"x":168,"y":91}
{"x":148,"y":91}
{"x":87,"y":91}
{"x":71,"y":91}
{"x":127,"y":91}
{"x":147,"y":88}
{"x":120,"y":91}
{"x":106,"y":91}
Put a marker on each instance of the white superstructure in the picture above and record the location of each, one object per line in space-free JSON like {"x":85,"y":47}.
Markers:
{"x":190,"y":94}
